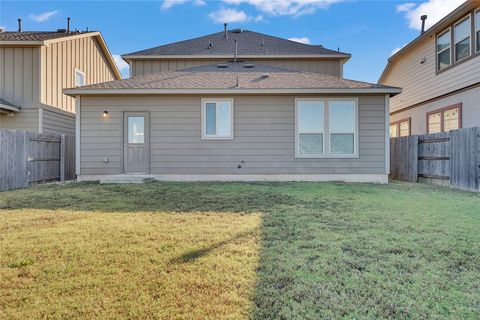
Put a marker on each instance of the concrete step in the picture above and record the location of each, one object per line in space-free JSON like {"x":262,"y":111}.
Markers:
{"x":126,"y":179}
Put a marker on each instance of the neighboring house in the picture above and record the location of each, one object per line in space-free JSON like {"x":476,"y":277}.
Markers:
{"x":234,"y":121}
{"x":439,"y":73}
{"x":35,"y":67}
{"x":250,"y":47}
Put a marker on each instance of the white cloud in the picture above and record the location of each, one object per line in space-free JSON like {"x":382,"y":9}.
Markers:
{"x":395,"y":51}
{"x":286,"y":7}
{"x":167,"y":4}
{"x":434,"y":9}
{"x":301,"y":40}
{"x":122,"y":65}
{"x":232,"y":15}
{"x":41,"y":17}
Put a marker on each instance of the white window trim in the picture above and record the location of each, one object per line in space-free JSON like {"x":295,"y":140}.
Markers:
{"x":326,"y":129}
{"x":75,"y":77}
{"x":455,"y":41}
{"x":448,"y":48}
{"x":476,"y":31}
{"x":204,"y":120}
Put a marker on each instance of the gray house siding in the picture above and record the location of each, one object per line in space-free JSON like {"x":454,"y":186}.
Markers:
{"x":264,"y":129}
{"x":26,"y":119}
{"x":58,"y":122}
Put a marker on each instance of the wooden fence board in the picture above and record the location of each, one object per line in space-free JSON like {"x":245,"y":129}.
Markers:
{"x":447,"y":158}
{"x":28,"y":157}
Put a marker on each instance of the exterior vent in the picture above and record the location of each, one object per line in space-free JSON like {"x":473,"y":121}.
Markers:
{"x":237,"y":30}
{"x":265,"y":75}
{"x":61,"y":30}
{"x":221,"y":65}
{"x":2,"y":30}
{"x":248,"y":65}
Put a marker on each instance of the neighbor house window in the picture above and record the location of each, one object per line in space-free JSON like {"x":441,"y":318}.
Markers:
{"x":79,"y":78}
{"x":400,"y":128}
{"x":477,"y":30}
{"x":326,"y":128}
{"x":217,"y":119}
{"x":443,"y":50}
{"x":462,"y":31}
{"x":445,"y":119}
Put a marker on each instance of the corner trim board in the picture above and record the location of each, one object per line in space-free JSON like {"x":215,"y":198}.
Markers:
{"x":77,"y":135}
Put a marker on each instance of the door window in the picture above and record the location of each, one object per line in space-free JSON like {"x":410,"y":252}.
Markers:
{"x":136,"y":130}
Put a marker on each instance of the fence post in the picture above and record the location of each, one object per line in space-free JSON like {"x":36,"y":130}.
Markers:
{"x":62,"y":157}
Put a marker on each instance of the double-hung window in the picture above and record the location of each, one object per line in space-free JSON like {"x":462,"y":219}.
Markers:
{"x":217,"y":119}
{"x":444,"y":50}
{"x":326,"y":128}
{"x":445,"y":119}
{"x":477,"y":30}
{"x":400,"y":128}
{"x":462,"y":31}
{"x":79,"y":78}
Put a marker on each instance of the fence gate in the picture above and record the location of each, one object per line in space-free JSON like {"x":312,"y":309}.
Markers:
{"x":27,"y":158}
{"x":448,"y":158}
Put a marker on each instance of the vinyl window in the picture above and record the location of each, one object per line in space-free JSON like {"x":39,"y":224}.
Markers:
{"x":326,"y":128}
{"x":445,"y":119}
{"x":444,"y":59}
{"x":401,"y":128}
{"x":477,"y":30}
{"x":79,"y":78}
{"x":217,"y":119}
{"x":462,"y":35}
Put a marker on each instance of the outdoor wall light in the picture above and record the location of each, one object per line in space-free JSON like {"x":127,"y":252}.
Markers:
{"x":105,"y":113}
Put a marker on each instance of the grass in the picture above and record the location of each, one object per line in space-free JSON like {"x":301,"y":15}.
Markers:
{"x":240,"y":250}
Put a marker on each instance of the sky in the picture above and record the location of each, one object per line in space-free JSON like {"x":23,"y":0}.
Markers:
{"x":370,"y":30}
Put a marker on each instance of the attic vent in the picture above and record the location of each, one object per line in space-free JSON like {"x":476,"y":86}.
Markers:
{"x":2,"y":30}
{"x":210,"y":45}
{"x":221,"y":65}
{"x":265,"y":75}
{"x":61,"y":30}
{"x":237,"y":30}
{"x":248,"y":65}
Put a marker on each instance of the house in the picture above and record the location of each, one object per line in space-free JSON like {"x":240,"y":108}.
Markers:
{"x":35,"y":66}
{"x":249,"y":46}
{"x":234,"y":120}
{"x":439,"y":72}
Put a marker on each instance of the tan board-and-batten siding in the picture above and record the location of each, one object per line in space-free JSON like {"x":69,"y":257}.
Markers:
{"x":324,"y":66}
{"x":264,"y":137}
{"x":60,"y":59}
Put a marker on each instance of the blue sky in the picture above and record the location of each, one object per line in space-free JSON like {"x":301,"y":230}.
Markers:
{"x":369,"y":30}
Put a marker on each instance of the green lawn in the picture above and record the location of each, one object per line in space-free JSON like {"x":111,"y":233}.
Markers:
{"x":240,"y":250}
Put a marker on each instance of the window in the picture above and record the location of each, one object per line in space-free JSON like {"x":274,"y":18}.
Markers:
{"x":462,"y":39}
{"x":326,"y":128}
{"x":443,"y":50}
{"x":136,"y":130}
{"x":445,"y":119}
{"x":477,"y":29}
{"x":400,"y":128}
{"x":217,"y":119}
{"x":342,"y":127}
{"x":79,"y":78}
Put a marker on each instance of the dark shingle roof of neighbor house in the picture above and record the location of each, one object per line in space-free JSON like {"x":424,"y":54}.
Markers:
{"x":231,"y":76}
{"x":248,"y":42}
{"x":35,"y":35}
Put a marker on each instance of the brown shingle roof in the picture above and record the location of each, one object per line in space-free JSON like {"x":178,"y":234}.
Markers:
{"x":249,"y":77}
{"x":35,"y":35}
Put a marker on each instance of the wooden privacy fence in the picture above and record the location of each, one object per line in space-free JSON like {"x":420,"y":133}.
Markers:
{"x":447,"y":158}
{"x":27,"y":158}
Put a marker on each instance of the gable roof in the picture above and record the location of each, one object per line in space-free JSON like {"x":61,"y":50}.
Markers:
{"x":36,"y":35}
{"x":249,"y":43}
{"x":458,"y":13}
{"x":43,"y":38}
{"x":232,"y":78}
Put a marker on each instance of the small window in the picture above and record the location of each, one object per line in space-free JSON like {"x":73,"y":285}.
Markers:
{"x":217,"y":119}
{"x":311,"y":118}
{"x":79,"y":78}
{"x":393,"y":130}
{"x":342,"y":127}
{"x":445,"y":119}
{"x":462,"y":39}
{"x":136,"y":130}
{"x":443,"y":50}
{"x":477,"y":30}
{"x":400,"y":128}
